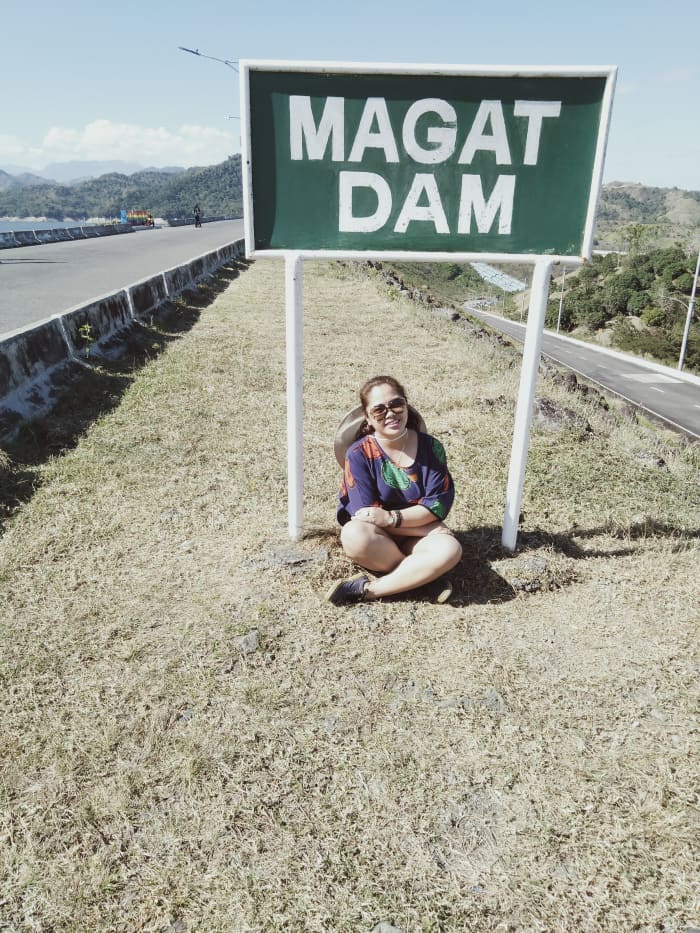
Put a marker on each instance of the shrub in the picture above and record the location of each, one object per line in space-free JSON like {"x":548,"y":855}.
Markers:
{"x":654,"y":317}
{"x":590,"y":309}
{"x":638,"y":302}
{"x":684,"y":282}
{"x":567,"y":314}
{"x":615,"y":297}
{"x":657,"y":345}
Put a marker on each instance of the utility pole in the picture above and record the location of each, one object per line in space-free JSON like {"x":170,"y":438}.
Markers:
{"x":689,"y":317}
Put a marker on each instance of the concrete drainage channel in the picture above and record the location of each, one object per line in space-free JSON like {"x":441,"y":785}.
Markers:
{"x":35,"y":363}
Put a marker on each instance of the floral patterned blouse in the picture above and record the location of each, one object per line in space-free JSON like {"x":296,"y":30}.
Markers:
{"x":371,"y":478}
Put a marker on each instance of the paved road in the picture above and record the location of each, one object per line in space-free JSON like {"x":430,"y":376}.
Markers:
{"x":38,"y":281}
{"x":673,"y":400}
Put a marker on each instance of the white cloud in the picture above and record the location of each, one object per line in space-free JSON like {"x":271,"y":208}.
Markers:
{"x":12,"y":149}
{"x":102,"y":139}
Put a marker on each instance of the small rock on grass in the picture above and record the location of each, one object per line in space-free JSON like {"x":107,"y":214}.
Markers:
{"x":249,"y":644}
{"x":650,"y":459}
{"x":527,"y":573}
{"x":554,"y":418}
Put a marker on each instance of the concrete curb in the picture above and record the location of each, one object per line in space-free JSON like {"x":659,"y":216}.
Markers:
{"x":626,"y":357}
{"x":36,"y":362}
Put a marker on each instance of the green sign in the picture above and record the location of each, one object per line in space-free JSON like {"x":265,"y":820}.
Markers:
{"x":344,"y":160}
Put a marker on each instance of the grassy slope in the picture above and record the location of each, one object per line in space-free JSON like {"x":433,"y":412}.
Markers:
{"x":515,"y":761}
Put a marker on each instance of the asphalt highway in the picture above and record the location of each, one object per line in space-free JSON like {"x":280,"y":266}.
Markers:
{"x":39,"y":281}
{"x":671,"y":398}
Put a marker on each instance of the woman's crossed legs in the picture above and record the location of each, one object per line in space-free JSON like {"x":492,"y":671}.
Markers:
{"x":407,"y":560}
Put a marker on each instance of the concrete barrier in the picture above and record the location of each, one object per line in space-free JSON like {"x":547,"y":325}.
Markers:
{"x":26,"y":237}
{"x":199,"y":269}
{"x":60,"y":234}
{"x":91,"y":329}
{"x":31,"y":364}
{"x":147,"y":296}
{"x":189,"y":221}
{"x":178,"y":280}
{"x":45,"y":236}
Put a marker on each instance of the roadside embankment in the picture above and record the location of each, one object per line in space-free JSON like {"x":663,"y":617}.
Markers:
{"x":37,"y":362}
{"x":194,"y":740}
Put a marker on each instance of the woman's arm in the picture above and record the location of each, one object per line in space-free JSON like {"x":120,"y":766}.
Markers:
{"x":439,"y":488}
{"x":359,"y":485}
{"x":414,"y":521}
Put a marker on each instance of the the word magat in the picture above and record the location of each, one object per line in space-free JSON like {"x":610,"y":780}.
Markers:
{"x":441,"y":139}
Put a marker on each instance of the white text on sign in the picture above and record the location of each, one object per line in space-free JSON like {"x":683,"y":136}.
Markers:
{"x":487,"y":133}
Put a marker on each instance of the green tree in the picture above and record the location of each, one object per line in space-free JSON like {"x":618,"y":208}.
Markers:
{"x":638,"y":302}
{"x":615,"y":296}
{"x":637,"y":235}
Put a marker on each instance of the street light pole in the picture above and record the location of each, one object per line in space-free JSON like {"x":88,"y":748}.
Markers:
{"x":224,"y":61}
{"x":689,"y":317}
{"x":561,"y":296}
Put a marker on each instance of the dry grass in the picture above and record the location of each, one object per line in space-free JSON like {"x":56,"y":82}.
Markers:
{"x":525,"y":759}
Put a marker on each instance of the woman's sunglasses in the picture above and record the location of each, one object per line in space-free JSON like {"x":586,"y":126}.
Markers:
{"x":394,"y":404}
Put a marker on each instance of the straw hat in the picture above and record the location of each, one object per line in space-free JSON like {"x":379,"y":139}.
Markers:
{"x":350,"y":425}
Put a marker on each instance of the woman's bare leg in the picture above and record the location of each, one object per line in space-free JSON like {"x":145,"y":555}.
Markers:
{"x":371,"y":547}
{"x":429,"y":558}
{"x":406,"y":562}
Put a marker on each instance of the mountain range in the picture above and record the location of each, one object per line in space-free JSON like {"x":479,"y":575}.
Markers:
{"x":166,"y":193}
{"x":67,"y":173}
{"x":662,"y":215}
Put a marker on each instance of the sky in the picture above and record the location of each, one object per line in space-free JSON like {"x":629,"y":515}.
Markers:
{"x":86,"y":80}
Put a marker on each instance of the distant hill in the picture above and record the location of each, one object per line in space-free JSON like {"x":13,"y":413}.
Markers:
{"x":24,"y":180}
{"x":667,"y":214}
{"x":71,"y":173}
{"x":168,"y":194}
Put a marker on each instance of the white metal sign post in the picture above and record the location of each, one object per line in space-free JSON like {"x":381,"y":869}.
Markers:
{"x":526,"y":396}
{"x":295,"y":411}
{"x":426,"y":163}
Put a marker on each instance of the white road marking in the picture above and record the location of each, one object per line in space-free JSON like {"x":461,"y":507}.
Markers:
{"x":649,"y":377}
{"x":655,"y":389}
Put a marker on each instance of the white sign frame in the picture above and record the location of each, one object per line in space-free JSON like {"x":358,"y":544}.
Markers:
{"x":541,"y":278}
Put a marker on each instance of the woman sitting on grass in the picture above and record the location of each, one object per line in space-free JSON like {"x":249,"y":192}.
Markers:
{"x":396,"y":491}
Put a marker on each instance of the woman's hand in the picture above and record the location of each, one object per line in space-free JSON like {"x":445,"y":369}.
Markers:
{"x":374,"y":516}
